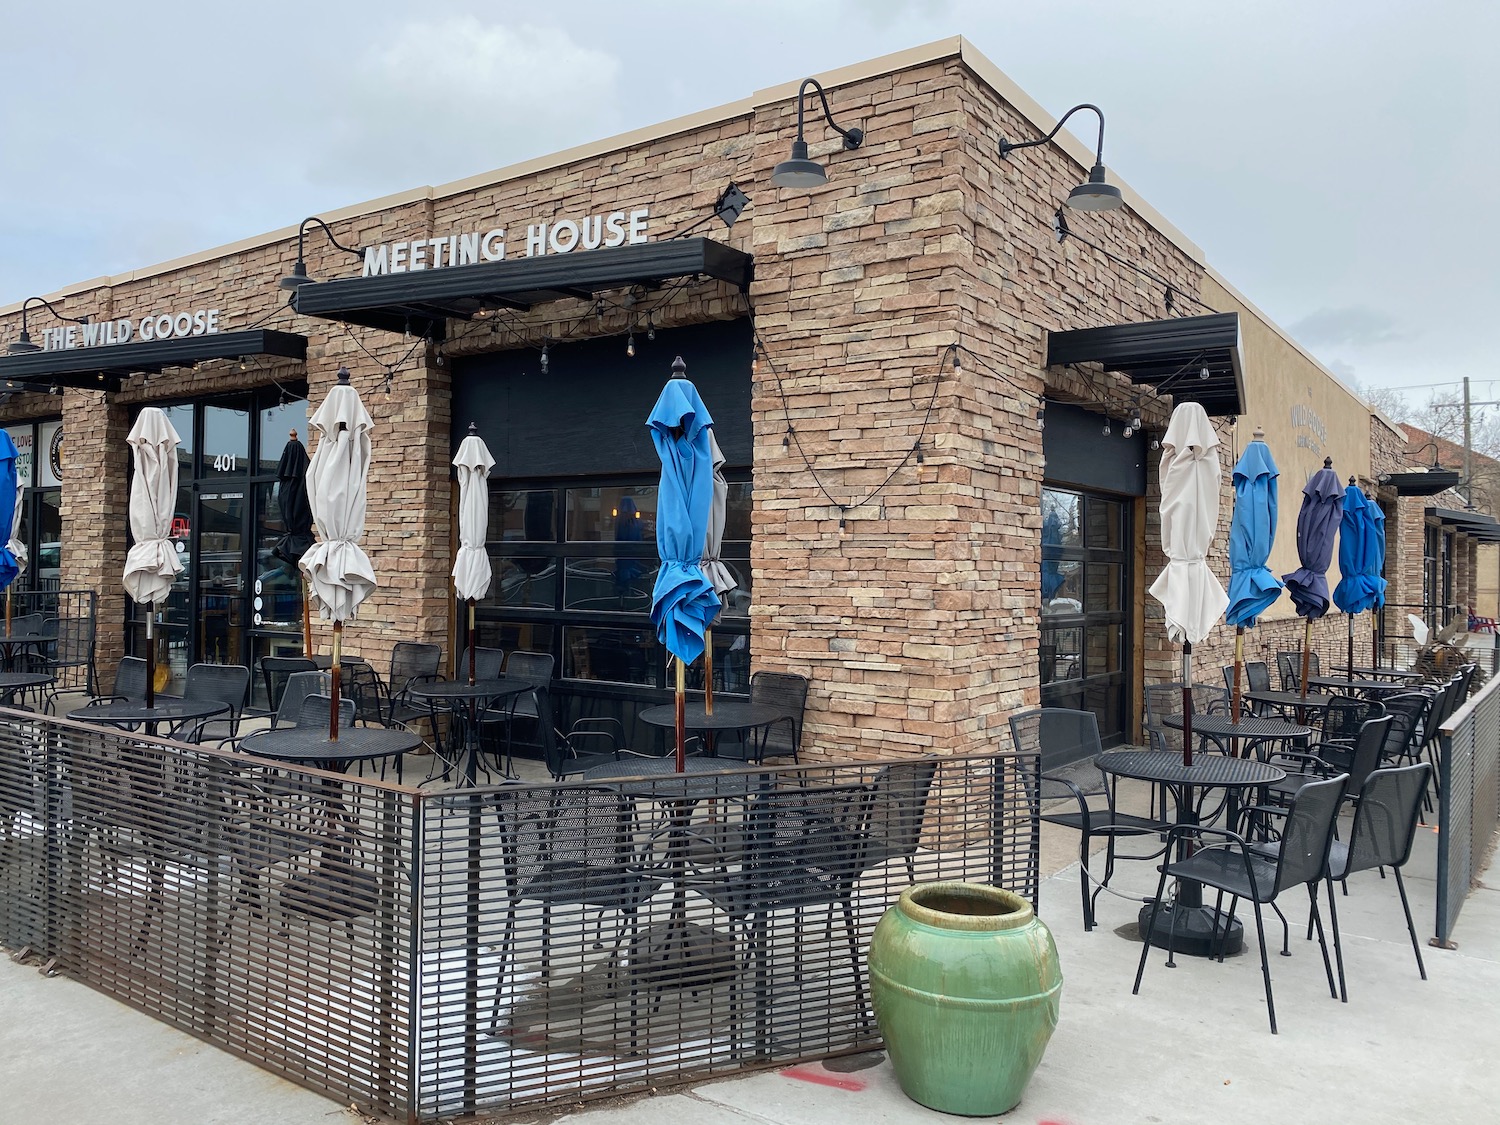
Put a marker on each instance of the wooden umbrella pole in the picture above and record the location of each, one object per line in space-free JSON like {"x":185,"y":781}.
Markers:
{"x":333,"y":710}
{"x":681,"y":716}
{"x":1306,"y":642}
{"x":1235,"y":700}
{"x":471,"y":642}
{"x":1187,"y":703}
{"x":1375,"y":639}
{"x":708,"y":670}
{"x":306,"y":618}
{"x":150,"y":655}
{"x":1350,"y":665}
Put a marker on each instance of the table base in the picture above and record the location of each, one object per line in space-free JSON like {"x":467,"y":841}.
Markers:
{"x":1191,"y":929}
{"x":682,"y":956}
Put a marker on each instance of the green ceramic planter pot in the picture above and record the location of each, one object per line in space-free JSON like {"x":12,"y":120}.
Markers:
{"x":965,"y":984}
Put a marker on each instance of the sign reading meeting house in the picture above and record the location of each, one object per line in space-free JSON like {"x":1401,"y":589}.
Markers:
{"x":557,"y":236}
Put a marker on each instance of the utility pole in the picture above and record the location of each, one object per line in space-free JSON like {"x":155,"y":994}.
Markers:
{"x":1468,"y":450}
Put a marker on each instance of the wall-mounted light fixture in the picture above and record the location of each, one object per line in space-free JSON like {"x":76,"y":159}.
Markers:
{"x":23,"y":343}
{"x":799,"y":171}
{"x":299,"y":277}
{"x":1093,"y":194}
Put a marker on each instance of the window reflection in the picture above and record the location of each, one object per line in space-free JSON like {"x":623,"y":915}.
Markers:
{"x":625,"y":656}
{"x":523,"y":516}
{"x":226,"y":441}
{"x":523,"y":580}
{"x":620,"y":585}
{"x":276,"y":425}
{"x":616,"y":513}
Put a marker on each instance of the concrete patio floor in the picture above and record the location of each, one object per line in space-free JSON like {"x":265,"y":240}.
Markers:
{"x":1194,"y":1046}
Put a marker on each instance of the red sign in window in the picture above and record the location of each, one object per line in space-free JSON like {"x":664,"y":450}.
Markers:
{"x":181,"y":528}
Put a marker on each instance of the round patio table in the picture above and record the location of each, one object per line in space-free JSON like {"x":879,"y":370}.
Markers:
{"x":1190,"y":925}
{"x":164,"y":710}
{"x":1252,"y":729}
{"x":1387,"y":674}
{"x":729,"y":715}
{"x":311,"y":745}
{"x":1345,"y":686}
{"x":1292,"y":699}
{"x":12,"y":682}
{"x":466,"y":701}
{"x":657,"y":778}
{"x":13,"y":645}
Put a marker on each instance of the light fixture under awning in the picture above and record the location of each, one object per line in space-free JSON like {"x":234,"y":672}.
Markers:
{"x":107,"y":366}
{"x":421,"y":303}
{"x":1191,"y":358}
{"x":1420,"y":482}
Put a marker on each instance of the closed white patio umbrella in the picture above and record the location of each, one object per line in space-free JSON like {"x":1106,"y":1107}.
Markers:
{"x":151,"y":566}
{"x":471,"y":568}
{"x":338,"y":572}
{"x":1187,"y":589}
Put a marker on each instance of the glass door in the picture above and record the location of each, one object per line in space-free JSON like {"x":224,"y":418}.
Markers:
{"x":1086,"y":609}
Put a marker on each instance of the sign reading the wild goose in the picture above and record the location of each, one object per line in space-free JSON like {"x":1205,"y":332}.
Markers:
{"x":153,"y":326}
{"x":556,"y":236}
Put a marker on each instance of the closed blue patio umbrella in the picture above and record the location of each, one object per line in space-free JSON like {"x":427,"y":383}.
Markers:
{"x":1052,"y":575}
{"x":1361,"y":559}
{"x":683,"y":602}
{"x":1317,"y":523}
{"x":1252,"y":533}
{"x":10,"y":564}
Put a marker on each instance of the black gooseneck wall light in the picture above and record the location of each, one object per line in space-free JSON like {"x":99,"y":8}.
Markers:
{"x":299,"y":277}
{"x":1093,"y":194}
{"x":799,"y":171}
{"x":23,"y":343}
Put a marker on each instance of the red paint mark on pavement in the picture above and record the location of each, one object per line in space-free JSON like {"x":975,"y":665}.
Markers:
{"x":820,"y":1077}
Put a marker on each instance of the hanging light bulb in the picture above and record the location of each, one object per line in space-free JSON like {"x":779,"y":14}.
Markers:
{"x":786,"y":440}
{"x":1041,"y":418}
{"x":544,"y":357}
{"x":843,"y":523}
{"x":650,"y":329}
{"x":1106,"y":427}
{"x":630,"y":345}
{"x":1203,"y":373}
{"x":1129,"y":431}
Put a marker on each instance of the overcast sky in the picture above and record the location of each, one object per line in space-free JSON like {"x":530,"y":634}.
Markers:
{"x":1330,"y":156}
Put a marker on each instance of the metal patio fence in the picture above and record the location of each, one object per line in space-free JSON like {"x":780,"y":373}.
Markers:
{"x":436,"y":953}
{"x":1469,"y":801}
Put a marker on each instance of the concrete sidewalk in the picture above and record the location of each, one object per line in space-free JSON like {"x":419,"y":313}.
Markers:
{"x":1194,"y":1046}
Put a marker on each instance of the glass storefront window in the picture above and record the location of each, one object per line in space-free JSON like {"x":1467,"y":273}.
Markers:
{"x":622,"y":656}
{"x":226,"y":442}
{"x":47,"y":564}
{"x":276,"y":599}
{"x":528,"y":581}
{"x":523,"y":516}
{"x":276,"y":425}
{"x":613,"y":514}
{"x":619,"y":585}
{"x":24,"y":438}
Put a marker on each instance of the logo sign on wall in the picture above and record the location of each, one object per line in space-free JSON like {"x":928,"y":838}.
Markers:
{"x":25,"y":448}
{"x":152,"y":326}
{"x":55,"y":453}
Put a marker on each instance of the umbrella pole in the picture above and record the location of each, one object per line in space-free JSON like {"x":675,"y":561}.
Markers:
{"x":471,"y":642}
{"x":7,"y":610}
{"x":708,"y":669}
{"x":681,"y":715}
{"x":333,"y":710}
{"x":150,"y":655}
{"x":1306,"y":642}
{"x":1187,"y":703}
{"x":1234,"y":704}
{"x":306,"y":620}
{"x":1350,"y":616}
{"x":1374,"y":639}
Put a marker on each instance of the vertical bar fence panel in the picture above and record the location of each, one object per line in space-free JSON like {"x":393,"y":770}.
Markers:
{"x":430,"y":954}
{"x":584,"y":940}
{"x":266,"y":910}
{"x":1469,"y":801}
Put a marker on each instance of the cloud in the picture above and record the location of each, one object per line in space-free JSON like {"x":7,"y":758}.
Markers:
{"x":449,"y":97}
{"x":1353,"y":325}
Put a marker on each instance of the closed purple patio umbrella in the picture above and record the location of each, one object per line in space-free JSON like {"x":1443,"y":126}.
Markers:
{"x":1317,"y":524}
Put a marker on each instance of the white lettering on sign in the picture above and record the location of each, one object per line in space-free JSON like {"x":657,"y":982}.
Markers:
{"x":154,"y":326}
{"x":225,"y":463}
{"x":558,"y":236}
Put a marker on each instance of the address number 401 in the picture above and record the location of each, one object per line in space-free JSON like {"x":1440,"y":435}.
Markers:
{"x":226,"y":463}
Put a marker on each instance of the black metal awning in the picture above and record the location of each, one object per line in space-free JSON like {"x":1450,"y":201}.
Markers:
{"x":422,"y":303}
{"x":1476,"y":525}
{"x":1170,"y":356}
{"x":1420,"y":482}
{"x":106,"y":367}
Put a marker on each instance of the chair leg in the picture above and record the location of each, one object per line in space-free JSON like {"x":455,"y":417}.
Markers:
{"x":1416,"y":946}
{"x":1161,"y":889}
{"x":1286,"y":931}
{"x":1265,"y":964}
{"x":1338,"y":942}
{"x":1314,"y":917}
{"x":859,"y":986}
{"x":1083,"y":882}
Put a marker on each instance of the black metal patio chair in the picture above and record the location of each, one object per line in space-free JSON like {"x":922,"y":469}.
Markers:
{"x":1242,"y":871}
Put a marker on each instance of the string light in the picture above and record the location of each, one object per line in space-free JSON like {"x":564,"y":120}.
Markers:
{"x":650,"y":328}
{"x":1203,"y":373}
{"x":1041,"y":419}
{"x":1106,"y":427}
{"x":630,"y":345}
{"x":545,"y":360}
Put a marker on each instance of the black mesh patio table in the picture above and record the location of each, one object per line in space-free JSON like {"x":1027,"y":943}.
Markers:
{"x":729,"y":715}
{"x":1252,"y":729}
{"x":12,"y":682}
{"x":657,"y":778}
{"x":1186,"y":923}
{"x":1290,"y":699}
{"x":466,"y":701}
{"x":1367,"y":687}
{"x":163,"y":710}
{"x":312,"y":746}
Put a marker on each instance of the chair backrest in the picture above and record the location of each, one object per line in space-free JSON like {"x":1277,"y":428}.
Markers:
{"x":130,"y":679}
{"x":274,"y":671}
{"x":1390,"y":802}
{"x":222,"y":683}
{"x":1056,"y":733}
{"x":788,"y":691}
{"x":1448,"y":700}
{"x":1369,"y":748}
{"x":1308,"y":832}
{"x":300,"y":685}
{"x":897,"y":809}
{"x":412,"y":660}
{"x":1346,"y":714}
{"x":585,"y":833}
{"x":819,"y":828}
{"x":27,"y":624}
{"x":1258,"y":675}
{"x":534,"y":667}
{"x":489,"y":663}
{"x":1166,"y":699}
{"x":314,"y":710}
{"x":1314,"y":665}
{"x":1289,"y":668}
